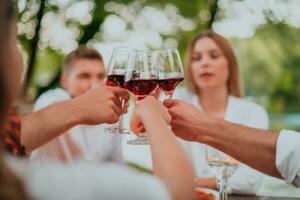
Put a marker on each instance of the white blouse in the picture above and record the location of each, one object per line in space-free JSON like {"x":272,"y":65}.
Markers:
{"x":245,"y":180}
{"x":288,"y":156}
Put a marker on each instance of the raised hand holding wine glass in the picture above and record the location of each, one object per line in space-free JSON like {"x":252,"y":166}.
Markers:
{"x":141,"y":80}
{"x":121,"y":59}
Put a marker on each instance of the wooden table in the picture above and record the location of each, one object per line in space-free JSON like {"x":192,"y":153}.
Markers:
{"x":259,"y":198}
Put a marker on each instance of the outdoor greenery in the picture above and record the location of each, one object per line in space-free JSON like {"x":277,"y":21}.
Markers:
{"x":269,"y":57}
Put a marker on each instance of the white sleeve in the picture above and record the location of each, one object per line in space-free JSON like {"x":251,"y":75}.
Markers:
{"x":92,"y":181}
{"x":288,"y":156}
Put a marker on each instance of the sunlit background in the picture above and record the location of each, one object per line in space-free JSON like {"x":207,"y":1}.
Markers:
{"x":265,"y":36}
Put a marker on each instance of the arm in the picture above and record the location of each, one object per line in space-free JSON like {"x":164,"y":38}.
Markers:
{"x":245,"y":180}
{"x":40,"y":127}
{"x":225,"y":136}
{"x":171,"y":164}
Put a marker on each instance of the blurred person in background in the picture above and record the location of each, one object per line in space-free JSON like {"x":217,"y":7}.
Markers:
{"x":20,"y":179}
{"x":83,"y":68}
{"x":212,"y":77}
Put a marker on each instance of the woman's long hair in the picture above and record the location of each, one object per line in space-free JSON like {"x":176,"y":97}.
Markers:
{"x":11,"y":187}
{"x":233,"y":83}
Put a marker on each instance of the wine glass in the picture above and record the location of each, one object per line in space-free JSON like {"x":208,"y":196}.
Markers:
{"x":121,"y":59}
{"x":222,"y":166}
{"x":170,"y":70}
{"x":141,"y":80}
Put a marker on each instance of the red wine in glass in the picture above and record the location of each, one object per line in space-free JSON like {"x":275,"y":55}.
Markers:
{"x":116,"y":80}
{"x":141,"y":87}
{"x":168,"y":85}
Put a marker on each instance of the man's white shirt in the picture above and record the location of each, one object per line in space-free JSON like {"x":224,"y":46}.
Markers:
{"x":288,"y":156}
{"x":80,"y":142}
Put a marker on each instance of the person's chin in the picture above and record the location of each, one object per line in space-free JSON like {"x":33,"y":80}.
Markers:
{"x":207,"y":85}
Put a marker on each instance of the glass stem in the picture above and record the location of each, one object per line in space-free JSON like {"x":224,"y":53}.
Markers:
{"x":120,"y":122}
{"x":223,"y":184}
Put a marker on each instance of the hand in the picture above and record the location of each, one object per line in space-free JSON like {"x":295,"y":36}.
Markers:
{"x":148,"y":106}
{"x":188,"y":122}
{"x":101,"y":104}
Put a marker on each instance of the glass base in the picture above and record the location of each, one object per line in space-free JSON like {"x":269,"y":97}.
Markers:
{"x":140,"y":140}
{"x":116,"y":130}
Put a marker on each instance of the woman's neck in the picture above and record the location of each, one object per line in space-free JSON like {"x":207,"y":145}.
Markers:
{"x":214,"y":101}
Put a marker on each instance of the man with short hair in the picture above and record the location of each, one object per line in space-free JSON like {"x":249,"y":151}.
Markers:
{"x":82,"y":69}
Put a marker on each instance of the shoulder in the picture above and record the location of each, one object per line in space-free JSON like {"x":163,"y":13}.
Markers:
{"x":105,"y":181}
{"x":252,"y":114}
{"x":50,"y":97}
{"x":248,"y":105}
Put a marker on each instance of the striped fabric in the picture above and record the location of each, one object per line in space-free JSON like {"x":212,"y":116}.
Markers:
{"x":12,"y":135}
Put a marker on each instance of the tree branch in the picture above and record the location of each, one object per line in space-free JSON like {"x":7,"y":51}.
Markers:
{"x":33,"y":49}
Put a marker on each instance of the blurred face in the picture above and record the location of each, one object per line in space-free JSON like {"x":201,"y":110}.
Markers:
{"x":209,"y":66}
{"x":84,"y":74}
{"x":14,"y":66}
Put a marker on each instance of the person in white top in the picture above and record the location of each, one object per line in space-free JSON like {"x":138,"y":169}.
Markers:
{"x":82,"y":69}
{"x":212,"y":78}
{"x":86,"y":180}
{"x":89,"y":180}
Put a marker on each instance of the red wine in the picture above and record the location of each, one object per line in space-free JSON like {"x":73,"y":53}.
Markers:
{"x":141,"y":87}
{"x":116,"y":80}
{"x":168,"y":85}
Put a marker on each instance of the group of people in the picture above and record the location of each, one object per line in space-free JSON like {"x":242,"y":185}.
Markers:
{"x":67,"y":127}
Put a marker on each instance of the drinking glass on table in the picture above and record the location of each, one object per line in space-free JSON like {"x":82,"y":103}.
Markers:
{"x":222,"y":166}
{"x":122,"y":58}
{"x":170,"y":70}
{"x":141,"y":80}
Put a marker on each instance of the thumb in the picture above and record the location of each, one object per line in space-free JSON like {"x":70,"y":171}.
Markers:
{"x":120,"y":92}
{"x":170,"y":102}
{"x":104,"y":82}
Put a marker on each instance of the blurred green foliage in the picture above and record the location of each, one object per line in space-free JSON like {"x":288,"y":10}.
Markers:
{"x":269,"y":60}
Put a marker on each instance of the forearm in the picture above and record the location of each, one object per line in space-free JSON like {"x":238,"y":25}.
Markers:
{"x":42,"y":126}
{"x":253,"y":147}
{"x":170,"y":162}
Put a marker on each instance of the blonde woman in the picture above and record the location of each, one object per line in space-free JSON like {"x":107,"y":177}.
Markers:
{"x":212,"y":77}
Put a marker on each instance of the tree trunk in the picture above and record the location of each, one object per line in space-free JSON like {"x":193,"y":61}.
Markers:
{"x":33,"y":50}
{"x":213,"y":12}
{"x":92,"y":28}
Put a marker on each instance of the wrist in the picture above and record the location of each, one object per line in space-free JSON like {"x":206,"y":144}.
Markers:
{"x":207,"y":130}
{"x":73,"y":111}
{"x":214,"y":132}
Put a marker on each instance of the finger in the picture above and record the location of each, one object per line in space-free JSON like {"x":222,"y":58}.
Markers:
{"x":170,"y":102}
{"x":121,"y":93}
{"x":96,"y":85}
{"x":142,"y":129}
{"x":116,"y":101}
{"x":104,"y":82}
{"x":173,"y":113}
{"x":126,"y":105}
{"x":117,"y":110}
{"x":125,"y":110}
{"x":140,"y":124}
